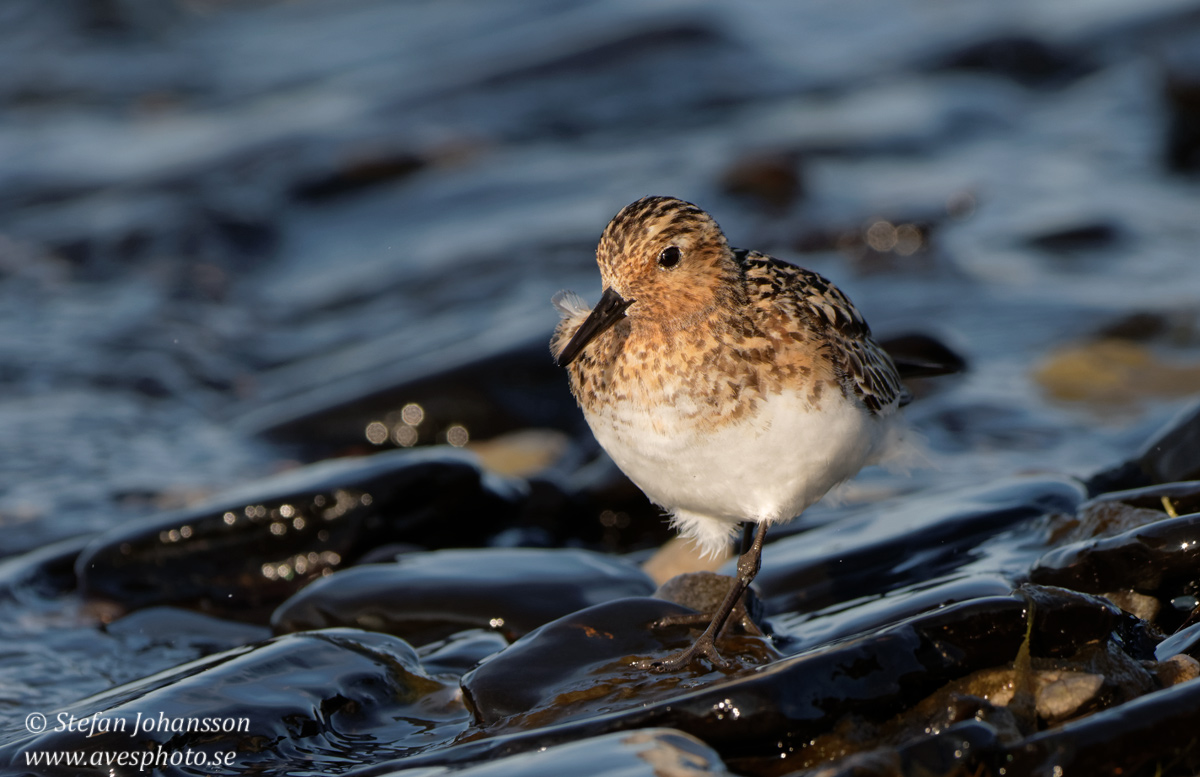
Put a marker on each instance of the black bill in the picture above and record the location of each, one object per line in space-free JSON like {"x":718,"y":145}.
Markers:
{"x":608,"y":311}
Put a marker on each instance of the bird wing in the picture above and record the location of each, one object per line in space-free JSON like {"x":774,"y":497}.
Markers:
{"x":862,"y":367}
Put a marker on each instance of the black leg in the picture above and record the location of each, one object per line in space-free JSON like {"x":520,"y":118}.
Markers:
{"x":705,"y":645}
{"x":747,"y":537}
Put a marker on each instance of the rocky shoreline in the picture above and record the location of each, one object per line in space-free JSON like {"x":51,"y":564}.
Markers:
{"x":1006,"y":627}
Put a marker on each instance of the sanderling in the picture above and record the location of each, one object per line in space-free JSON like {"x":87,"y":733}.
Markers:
{"x":728,"y":385}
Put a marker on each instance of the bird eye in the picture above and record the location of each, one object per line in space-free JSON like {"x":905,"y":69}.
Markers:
{"x":669,"y":257}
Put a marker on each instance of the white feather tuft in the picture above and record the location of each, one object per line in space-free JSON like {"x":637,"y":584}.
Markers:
{"x":904,"y":449}
{"x":712,"y":536}
{"x":570,"y":305}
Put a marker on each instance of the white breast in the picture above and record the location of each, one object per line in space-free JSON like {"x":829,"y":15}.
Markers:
{"x":769,"y":467}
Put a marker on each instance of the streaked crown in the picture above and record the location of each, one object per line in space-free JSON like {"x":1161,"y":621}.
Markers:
{"x":669,"y":257}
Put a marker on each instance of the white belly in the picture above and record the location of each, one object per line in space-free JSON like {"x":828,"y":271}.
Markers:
{"x":766,"y":468}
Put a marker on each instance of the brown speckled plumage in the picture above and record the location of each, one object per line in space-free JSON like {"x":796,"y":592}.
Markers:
{"x":727,"y":326}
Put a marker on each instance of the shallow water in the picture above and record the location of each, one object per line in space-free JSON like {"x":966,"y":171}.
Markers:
{"x":232,"y":235}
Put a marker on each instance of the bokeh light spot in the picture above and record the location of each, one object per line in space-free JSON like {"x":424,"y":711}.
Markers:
{"x":412,"y":414}
{"x":377,"y":433}
{"x":458,"y":436}
{"x":881,"y":236}
{"x":404,"y":435}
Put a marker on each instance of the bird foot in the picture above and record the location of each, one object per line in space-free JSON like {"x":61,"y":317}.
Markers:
{"x":702,"y":649}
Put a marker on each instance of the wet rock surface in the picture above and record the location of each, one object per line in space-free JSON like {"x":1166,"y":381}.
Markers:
{"x":580,"y":665}
{"x":173,"y":628}
{"x":1157,"y":560}
{"x":240,"y":239}
{"x":426,"y":596}
{"x":254,"y":549}
{"x":704,"y":591}
{"x":268,"y":706}
{"x":650,"y":752}
{"x":515,"y":388}
{"x":788,"y":713}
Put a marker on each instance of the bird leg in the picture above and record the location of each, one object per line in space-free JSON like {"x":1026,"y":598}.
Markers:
{"x":705,"y":645}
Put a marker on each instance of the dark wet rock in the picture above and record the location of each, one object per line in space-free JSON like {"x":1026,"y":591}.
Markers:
{"x":427,"y":596}
{"x":461,"y":651}
{"x":1139,"y":327}
{"x":769,"y":180}
{"x":819,"y":239}
{"x":1183,"y":498}
{"x":795,"y":633}
{"x":176,"y":232}
{"x":1171,"y":455}
{"x":171,"y":627}
{"x":1177,"y":327}
{"x":1057,"y":690}
{"x":921,"y":355}
{"x":322,"y":699}
{"x":1159,"y":559}
{"x":1181,"y":92}
{"x":1026,"y":60}
{"x":581,"y":664}
{"x":770,"y":714}
{"x":1107,"y":516}
{"x":354,"y":171}
{"x":958,"y":748}
{"x":236,"y":233}
{"x":626,"y":69}
{"x":1065,"y":620}
{"x":1088,"y":236}
{"x":48,"y":570}
{"x":662,"y":38}
{"x":594,"y":506}
{"x":1140,"y":737}
{"x":126,"y":17}
{"x":253,"y":548}
{"x":885,"y":547}
{"x":135,"y":227}
{"x":602,"y":507}
{"x":704,"y":592}
{"x":485,"y":390}
{"x":1182,"y":146}
{"x":651,"y":752}
{"x":1061,"y":682}
{"x":860,"y":747}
